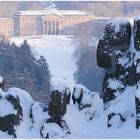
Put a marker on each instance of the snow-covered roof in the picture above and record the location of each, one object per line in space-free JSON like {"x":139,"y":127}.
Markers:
{"x":5,"y":19}
{"x":71,"y":12}
{"x":31,"y":12}
{"x":102,"y":18}
{"x":44,"y":12}
{"x":54,"y":14}
{"x":118,"y":21}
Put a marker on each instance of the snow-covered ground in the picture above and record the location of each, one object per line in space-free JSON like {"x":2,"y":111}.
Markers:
{"x":58,"y":51}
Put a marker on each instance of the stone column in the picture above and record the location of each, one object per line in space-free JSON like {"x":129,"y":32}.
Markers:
{"x":57,"y":27}
{"x":61,"y":26}
{"x":49,"y":27}
{"x":46,"y":28}
{"x":53,"y":27}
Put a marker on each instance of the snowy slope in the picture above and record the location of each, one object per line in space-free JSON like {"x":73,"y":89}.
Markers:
{"x":58,"y":50}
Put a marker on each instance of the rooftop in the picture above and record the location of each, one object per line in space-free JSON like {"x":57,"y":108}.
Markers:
{"x":44,"y":12}
{"x":5,"y":18}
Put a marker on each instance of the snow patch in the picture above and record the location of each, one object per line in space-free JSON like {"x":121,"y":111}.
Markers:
{"x":117,"y":22}
{"x":114,"y":84}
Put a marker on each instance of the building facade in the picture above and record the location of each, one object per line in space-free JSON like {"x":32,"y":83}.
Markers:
{"x":6,"y":27}
{"x":49,"y":22}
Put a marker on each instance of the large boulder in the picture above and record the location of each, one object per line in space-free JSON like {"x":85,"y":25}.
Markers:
{"x":59,"y":99}
{"x":81,"y":96}
{"x":87,"y":102}
{"x":14,"y":105}
{"x":116,"y":37}
{"x":57,"y":104}
{"x":115,"y":56}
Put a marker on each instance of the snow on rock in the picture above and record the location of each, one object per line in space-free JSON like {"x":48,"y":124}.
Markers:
{"x":38,"y":115}
{"x":60,"y":87}
{"x":125,"y":103}
{"x":91,"y":120}
{"x":137,"y":93}
{"x":77,"y":90}
{"x":88,"y":102}
{"x":52,"y":130}
{"x":25,"y":102}
{"x":5,"y":103}
{"x":32,"y":117}
{"x":115,"y":55}
{"x":114,"y":84}
{"x":124,"y":59}
{"x":14,"y":114}
{"x":1,"y":79}
{"x":96,"y":106}
{"x":117,"y":22}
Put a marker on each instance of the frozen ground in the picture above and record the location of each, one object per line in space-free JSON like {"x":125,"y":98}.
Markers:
{"x":58,"y":50}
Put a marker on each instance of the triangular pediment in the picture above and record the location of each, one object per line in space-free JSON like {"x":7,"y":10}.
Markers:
{"x":53,"y":16}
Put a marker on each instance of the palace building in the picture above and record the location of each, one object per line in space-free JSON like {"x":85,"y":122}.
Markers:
{"x":49,"y":22}
{"x":6,"y":27}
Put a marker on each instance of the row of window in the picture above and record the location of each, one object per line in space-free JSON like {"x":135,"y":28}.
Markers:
{"x":6,"y":32}
{"x":78,"y":18}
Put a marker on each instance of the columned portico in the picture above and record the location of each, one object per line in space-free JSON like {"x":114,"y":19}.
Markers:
{"x":52,"y":24}
{"x":51,"y":27}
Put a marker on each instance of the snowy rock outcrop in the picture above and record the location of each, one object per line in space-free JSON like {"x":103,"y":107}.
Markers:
{"x":81,"y":96}
{"x":21,"y":117}
{"x":88,"y":102}
{"x":115,"y":55}
{"x":59,"y":99}
{"x":136,"y":67}
{"x":119,"y":54}
{"x":15,"y":104}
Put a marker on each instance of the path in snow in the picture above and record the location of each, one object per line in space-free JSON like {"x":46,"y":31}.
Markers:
{"x":58,"y":50}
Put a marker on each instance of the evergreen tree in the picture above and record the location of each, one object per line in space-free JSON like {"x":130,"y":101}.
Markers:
{"x":21,"y":69}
